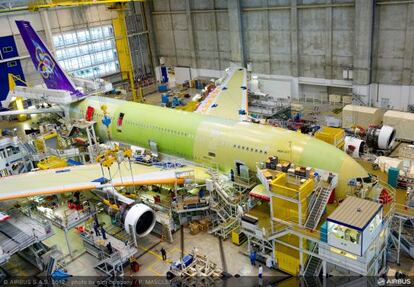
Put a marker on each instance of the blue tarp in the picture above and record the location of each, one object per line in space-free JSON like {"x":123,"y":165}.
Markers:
{"x":60,"y":274}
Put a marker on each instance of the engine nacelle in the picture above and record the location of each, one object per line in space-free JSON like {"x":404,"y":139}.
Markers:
{"x":381,"y":138}
{"x":141,"y":218}
{"x":355,"y":147}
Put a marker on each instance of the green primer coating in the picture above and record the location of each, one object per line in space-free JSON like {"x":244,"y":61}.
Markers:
{"x":216,"y":141}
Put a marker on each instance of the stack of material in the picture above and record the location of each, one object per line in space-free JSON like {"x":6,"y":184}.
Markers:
{"x":272,"y":162}
{"x":283,"y":166}
{"x":202,"y":266}
{"x":191,"y":200}
{"x":197,"y":226}
{"x":301,"y":171}
{"x":194,"y":228}
{"x":204,"y":224}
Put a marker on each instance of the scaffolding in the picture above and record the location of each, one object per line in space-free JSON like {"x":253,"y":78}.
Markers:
{"x":20,"y":232}
{"x":224,"y":202}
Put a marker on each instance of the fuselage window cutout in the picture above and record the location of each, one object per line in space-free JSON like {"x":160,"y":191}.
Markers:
{"x":211,"y":154}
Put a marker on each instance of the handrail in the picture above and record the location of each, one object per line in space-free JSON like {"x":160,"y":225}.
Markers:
{"x":315,"y":246}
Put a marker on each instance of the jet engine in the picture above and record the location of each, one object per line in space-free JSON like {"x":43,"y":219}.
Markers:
{"x":381,"y":138}
{"x":141,"y":219}
{"x":355,"y":147}
{"x":138,"y":218}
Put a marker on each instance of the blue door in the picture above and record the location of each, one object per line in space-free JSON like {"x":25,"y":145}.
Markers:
{"x":8,"y":50}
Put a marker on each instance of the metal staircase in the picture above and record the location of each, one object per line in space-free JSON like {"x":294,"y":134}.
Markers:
{"x":358,"y":99}
{"x":112,"y":265}
{"x":223,"y":204}
{"x":314,"y":265}
{"x":318,"y":207}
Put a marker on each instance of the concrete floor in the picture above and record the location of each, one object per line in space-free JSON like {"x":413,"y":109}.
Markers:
{"x":151,"y":263}
{"x":148,"y":254}
{"x":234,"y":260}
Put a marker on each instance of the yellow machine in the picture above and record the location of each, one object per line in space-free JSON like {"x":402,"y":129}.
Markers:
{"x":238,"y":237}
{"x":46,"y":140}
{"x":333,"y":136}
{"x":52,"y":162}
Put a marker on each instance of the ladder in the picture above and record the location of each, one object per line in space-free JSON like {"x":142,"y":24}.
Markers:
{"x":318,"y":207}
{"x":314,"y":264}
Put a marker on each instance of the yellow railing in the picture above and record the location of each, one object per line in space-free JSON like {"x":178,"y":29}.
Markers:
{"x":44,"y":4}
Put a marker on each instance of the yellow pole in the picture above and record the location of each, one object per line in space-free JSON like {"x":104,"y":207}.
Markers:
{"x":12,"y":83}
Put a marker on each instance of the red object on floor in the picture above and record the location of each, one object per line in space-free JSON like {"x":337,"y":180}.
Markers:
{"x":134,"y":266}
{"x":78,"y":206}
{"x":80,"y":228}
{"x":332,"y":197}
{"x":385,"y":197}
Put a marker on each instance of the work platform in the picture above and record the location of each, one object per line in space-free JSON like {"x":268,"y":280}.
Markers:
{"x":19,"y":232}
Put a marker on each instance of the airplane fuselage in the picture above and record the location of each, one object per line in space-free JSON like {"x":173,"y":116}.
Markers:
{"x":214,"y":141}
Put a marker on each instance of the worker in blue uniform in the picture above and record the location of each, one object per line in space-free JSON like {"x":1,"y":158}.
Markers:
{"x":96,"y":228}
{"x":253,"y":257}
{"x":103,"y":231}
{"x":109,"y":247}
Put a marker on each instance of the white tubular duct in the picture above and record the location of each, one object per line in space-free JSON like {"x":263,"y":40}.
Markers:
{"x":358,"y":145}
{"x":386,"y":137}
{"x":141,"y":219}
{"x":112,"y":191}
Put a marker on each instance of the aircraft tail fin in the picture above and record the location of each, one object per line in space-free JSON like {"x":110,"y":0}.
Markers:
{"x":44,"y":62}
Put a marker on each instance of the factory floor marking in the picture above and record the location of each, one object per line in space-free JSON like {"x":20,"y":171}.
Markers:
{"x":159,"y":257}
{"x":152,"y":270}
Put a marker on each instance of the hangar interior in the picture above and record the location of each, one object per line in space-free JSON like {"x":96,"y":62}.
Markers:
{"x":207,"y":140}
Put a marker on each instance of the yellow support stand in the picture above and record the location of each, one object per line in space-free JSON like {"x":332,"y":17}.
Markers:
{"x":52,"y":162}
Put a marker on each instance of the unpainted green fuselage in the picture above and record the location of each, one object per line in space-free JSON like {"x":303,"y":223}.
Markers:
{"x":212,"y":140}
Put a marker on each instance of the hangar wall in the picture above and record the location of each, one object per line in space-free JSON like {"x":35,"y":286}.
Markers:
{"x":59,"y":20}
{"x":311,"y":42}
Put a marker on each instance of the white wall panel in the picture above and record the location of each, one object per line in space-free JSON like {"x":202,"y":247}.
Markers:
{"x":5,"y":27}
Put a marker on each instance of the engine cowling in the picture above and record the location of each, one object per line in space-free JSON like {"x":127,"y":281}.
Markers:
{"x":355,"y":147}
{"x":141,"y":218}
{"x":381,"y":138}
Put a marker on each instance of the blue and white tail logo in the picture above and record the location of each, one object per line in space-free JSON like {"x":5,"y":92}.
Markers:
{"x":52,"y":74}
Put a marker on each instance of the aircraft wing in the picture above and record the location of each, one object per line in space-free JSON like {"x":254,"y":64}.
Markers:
{"x":31,"y":111}
{"x":87,"y":177}
{"x":229,"y":99}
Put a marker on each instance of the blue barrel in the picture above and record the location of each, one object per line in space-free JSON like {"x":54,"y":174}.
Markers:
{"x":162,"y":88}
{"x":164,"y":99}
{"x":393,"y":174}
